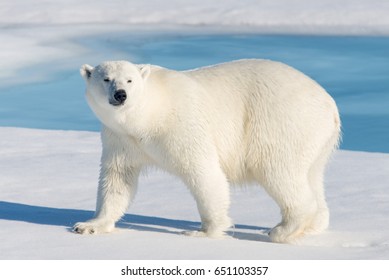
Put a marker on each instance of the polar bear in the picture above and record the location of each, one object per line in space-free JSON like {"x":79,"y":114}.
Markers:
{"x":239,"y":122}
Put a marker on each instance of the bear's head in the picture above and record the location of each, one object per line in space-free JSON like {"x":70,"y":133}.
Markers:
{"x":114,"y":83}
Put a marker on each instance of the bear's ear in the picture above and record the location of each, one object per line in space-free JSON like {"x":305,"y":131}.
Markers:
{"x":145,"y":71}
{"x":86,"y":71}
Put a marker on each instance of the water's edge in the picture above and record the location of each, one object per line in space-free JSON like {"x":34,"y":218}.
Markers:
{"x":354,"y":70}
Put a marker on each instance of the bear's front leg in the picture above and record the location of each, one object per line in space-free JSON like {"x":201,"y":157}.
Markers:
{"x":117,"y":186}
{"x":210,"y":188}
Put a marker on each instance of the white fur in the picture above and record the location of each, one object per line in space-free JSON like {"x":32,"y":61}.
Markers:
{"x":244,"y":121}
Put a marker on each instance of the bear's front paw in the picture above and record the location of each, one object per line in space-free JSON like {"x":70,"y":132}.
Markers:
{"x":194,"y":233}
{"x":202,"y":233}
{"x":92,"y":227}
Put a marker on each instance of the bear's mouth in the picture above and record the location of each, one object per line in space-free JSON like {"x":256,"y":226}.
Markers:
{"x":115,"y":103}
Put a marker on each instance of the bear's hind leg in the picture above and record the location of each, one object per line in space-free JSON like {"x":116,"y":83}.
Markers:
{"x":316,"y":181}
{"x":298,"y":207}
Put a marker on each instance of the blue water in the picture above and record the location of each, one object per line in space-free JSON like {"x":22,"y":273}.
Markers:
{"x":354,"y":70}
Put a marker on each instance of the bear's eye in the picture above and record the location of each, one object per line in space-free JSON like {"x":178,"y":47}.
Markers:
{"x":129,"y":81}
{"x":107,"y":80}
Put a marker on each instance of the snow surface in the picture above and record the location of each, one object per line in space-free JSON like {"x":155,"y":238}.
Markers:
{"x":357,"y":16}
{"x":48,"y":182}
{"x":48,"y":178}
{"x":41,"y":31}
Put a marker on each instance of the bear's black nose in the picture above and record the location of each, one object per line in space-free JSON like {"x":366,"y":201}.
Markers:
{"x":120,"y":96}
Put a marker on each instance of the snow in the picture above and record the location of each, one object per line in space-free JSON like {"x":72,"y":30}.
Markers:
{"x":48,"y":178}
{"x":276,"y":15}
{"x":38,"y":31}
{"x":49,"y":182}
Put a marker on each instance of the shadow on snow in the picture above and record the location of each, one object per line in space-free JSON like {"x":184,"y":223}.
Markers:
{"x":68,"y":217}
